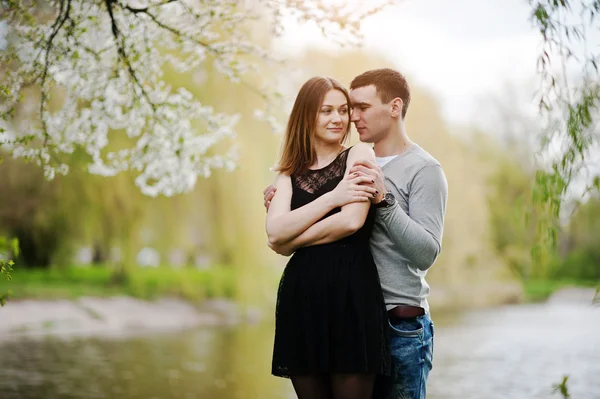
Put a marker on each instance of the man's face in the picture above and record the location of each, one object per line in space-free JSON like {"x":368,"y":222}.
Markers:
{"x":372,"y":118}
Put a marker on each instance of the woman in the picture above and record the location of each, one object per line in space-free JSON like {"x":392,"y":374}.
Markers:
{"x":330,"y":336}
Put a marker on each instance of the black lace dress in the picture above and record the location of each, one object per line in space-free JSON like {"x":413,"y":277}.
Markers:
{"x":330,"y":314}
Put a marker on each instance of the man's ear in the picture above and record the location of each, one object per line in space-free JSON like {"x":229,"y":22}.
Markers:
{"x":397,"y":105}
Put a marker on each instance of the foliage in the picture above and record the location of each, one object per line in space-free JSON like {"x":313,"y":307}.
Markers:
{"x":77,"y":71}
{"x":579,"y":244}
{"x":52,"y":219}
{"x":6,"y":266}
{"x":562,"y":388}
{"x":508,"y":197}
{"x":569,"y":109}
{"x":146,"y":283}
{"x":539,"y":290}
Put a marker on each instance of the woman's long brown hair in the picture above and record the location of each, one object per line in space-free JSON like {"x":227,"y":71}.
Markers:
{"x":298,"y":152}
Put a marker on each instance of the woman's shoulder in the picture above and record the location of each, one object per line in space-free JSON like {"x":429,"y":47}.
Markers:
{"x":361,"y":150}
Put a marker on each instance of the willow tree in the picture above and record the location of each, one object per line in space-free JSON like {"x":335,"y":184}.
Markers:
{"x":103,"y":62}
{"x":569,"y":98}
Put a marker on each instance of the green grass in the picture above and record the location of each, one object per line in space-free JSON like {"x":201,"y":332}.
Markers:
{"x":540,"y":290}
{"x":73,"y":282}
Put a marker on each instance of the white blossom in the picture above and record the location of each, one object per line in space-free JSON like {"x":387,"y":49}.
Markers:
{"x":98,"y":66}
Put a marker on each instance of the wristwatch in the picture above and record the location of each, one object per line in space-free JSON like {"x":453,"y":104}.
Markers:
{"x":387,"y":201}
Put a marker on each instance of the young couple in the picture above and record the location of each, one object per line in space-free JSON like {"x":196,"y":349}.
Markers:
{"x":364,"y":224}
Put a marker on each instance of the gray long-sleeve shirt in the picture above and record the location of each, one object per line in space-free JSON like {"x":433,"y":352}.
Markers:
{"x":407,"y":237}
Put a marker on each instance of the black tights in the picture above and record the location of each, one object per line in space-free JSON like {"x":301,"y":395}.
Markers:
{"x":334,"y":386}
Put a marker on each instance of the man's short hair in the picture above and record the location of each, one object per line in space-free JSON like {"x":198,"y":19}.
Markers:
{"x":388,"y":83}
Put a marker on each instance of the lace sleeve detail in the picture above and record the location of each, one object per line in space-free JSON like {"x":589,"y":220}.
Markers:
{"x":312,"y":180}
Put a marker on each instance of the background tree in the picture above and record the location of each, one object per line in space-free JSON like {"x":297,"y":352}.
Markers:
{"x":569,"y":107}
{"x":79,"y":72}
{"x":579,"y":248}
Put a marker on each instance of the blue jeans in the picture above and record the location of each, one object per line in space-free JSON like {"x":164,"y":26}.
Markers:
{"x":411,"y":345}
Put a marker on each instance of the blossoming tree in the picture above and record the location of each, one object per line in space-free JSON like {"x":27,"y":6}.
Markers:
{"x":92,"y":67}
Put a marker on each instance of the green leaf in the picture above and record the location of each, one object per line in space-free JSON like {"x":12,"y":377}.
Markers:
{"x":562,"y":388}
{"x":15,"y":246}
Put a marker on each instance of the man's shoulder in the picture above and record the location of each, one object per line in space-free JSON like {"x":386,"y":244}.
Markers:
{"x":414,"y":160}
{"x":423,"y":158}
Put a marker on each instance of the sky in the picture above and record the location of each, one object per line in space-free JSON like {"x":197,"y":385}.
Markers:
{"x":462,"y":51}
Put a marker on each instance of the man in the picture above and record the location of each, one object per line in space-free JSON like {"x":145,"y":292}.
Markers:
{"x":407,"y":235}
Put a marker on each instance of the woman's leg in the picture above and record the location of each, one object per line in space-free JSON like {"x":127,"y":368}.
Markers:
{"x":352,"y":386}
{"x":312,"y":386}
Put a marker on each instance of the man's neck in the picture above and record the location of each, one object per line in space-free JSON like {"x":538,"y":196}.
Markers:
{"x":395,"y":143}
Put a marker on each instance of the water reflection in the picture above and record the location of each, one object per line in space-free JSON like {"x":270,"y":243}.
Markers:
{"x":509,"y":352}
{"x":206,"y":363}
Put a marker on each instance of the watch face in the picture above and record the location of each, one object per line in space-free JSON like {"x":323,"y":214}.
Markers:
{"x":389,"y":198}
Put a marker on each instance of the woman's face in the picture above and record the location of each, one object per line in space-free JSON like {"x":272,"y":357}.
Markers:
{"x":333,"y":118}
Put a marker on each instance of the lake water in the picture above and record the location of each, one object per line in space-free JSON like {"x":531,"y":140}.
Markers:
{"x":507,"y":352}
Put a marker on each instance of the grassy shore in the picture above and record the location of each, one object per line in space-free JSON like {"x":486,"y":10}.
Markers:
{"x":149,"y":283}
{"x":187,"y":283}
{"x":540,"y":290}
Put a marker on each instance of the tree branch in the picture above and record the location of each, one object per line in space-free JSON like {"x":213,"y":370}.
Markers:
{"x":57,"y":26}
{"x":120,"y":41}
{"x":145,"y":9}
{"x":168,"y":28}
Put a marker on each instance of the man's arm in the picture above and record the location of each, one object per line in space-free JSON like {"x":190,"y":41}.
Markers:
{"x":419,"y":236}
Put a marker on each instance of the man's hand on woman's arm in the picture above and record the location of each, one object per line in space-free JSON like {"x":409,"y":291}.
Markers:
{"x":352,"y":194}
{"x":268,"y":194}
{"x":353,"y":188}
{"x":374,"y":175}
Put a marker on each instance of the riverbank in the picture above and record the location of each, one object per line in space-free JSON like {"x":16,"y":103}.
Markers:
{"x":92,"y":301}
{"x":116,"y":316}
{"x":96,"y":301}
{"x":542,"y":290}
{"x":219,"y":281}
{"x":195,"y":285}
{"x":126,"y":316}
{"x":191,"y":284}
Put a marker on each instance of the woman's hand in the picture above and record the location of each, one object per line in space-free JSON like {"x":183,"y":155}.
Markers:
{"x":282,"y":249}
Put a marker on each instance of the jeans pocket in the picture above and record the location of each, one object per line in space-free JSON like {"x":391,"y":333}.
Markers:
{"x":410,"y":328}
